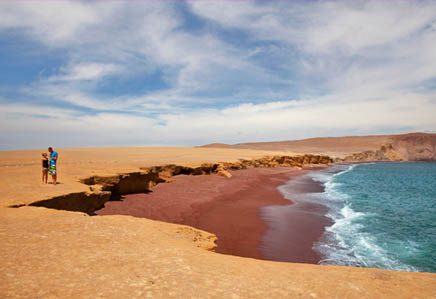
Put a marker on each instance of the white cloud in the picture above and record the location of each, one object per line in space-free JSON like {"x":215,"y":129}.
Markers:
{"x":242,"y":123}
{"x":131,"y":39}
{"x":86,"y":71}
{"x":292,"y":119}
{"x":51,"y":22}
{"x":381,"y":45}
{"x":17,"y":110}
{"x":371,"y":61}
{"x":322,"y":26}
{"x":356,"y":26}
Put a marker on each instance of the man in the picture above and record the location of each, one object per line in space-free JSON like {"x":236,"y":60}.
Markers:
{"x":52,"y":166}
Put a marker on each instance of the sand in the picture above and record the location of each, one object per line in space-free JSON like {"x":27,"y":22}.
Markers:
{"x":332,"y":146}
{"x":295,"y":228}
{"x":405,"y":147}
{"x":52,"y":253}
{"x":231,"y":209}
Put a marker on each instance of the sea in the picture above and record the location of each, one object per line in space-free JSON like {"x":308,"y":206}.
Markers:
{"x":383,"y":215}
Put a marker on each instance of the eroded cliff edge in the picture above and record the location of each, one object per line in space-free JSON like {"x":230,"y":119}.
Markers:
{"x":105,"y":188}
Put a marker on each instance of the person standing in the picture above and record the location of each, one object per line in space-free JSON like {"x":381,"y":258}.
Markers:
{"x":44,"y":164}
{"x":52,"y":166}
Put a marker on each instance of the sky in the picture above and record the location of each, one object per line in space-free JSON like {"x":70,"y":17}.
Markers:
{"x":183,"y":73}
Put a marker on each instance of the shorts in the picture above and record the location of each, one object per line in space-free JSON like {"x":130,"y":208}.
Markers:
{"x":52,"y":169}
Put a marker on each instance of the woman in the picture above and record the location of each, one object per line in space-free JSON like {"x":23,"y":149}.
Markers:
{"x":44,"y":164}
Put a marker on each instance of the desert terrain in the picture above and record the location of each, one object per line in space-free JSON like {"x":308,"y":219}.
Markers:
{"x":48,"y":253}
{"x":405,"y":147}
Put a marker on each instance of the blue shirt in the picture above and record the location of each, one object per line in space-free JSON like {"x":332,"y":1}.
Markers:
{"x":53,"y":155}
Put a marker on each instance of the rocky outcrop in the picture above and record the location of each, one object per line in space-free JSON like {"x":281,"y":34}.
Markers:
{"x":104,"y":188}
{"x":385,"y":153}
{"x":409,"y":147}
{"x":415,"y":147}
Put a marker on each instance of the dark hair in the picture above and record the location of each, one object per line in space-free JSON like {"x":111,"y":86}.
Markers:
{"x":50,"y":148}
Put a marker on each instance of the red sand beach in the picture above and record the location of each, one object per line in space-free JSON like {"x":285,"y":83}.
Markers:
{"x":231,"y":209}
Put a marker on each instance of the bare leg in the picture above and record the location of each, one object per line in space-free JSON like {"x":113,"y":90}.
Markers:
{"x":54,"y":179}
{"x":45,"y":176}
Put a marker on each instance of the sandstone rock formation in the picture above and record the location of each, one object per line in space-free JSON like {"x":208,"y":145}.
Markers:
{"x":385,"y":153}
{"x":415,"y":147}
{"x":410,"y":147}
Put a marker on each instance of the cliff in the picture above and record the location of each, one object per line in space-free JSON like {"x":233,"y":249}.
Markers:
{"x":104,"y":188}
{"x":409,"y":147}
{"x":415,"y":147}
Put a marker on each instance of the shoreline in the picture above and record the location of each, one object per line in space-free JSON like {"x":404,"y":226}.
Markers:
{"x":237,"y":210}
{"x":295,"y":228}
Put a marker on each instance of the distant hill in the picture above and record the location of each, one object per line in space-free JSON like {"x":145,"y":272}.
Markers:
{"x":406,"y":147}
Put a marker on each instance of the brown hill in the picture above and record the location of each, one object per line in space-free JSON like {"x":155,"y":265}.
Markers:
{"x":407,"y":147}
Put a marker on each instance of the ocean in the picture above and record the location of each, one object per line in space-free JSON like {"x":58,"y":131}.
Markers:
{"x":383,"y":215}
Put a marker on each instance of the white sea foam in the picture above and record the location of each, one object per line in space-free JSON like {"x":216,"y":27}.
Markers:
{"x":319,"y":176}
{"x":345,"y":242}
{"x":348,"y":169}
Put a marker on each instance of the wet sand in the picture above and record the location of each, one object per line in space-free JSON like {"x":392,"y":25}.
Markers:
{"x":247,"y":213}
{"x":295,"y":228}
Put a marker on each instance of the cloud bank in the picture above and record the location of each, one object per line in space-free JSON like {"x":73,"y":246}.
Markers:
{"x":186,"y":73}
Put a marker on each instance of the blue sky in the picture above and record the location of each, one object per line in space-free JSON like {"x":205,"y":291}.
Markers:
{"x":112,"y":73}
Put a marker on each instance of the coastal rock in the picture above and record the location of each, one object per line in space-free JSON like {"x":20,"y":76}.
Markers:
{"x":411,"y":147}
{"x":224,"y":173}
{"x":415,"y":147}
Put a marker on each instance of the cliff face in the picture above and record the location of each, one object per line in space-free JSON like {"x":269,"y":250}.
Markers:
{"x":385,"y":153}
{"x":415,"y":147}
{"x":409,"y":147}
{"x":104,"y":188}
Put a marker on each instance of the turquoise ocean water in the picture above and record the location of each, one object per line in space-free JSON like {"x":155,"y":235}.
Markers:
{"x":384,"y":215}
